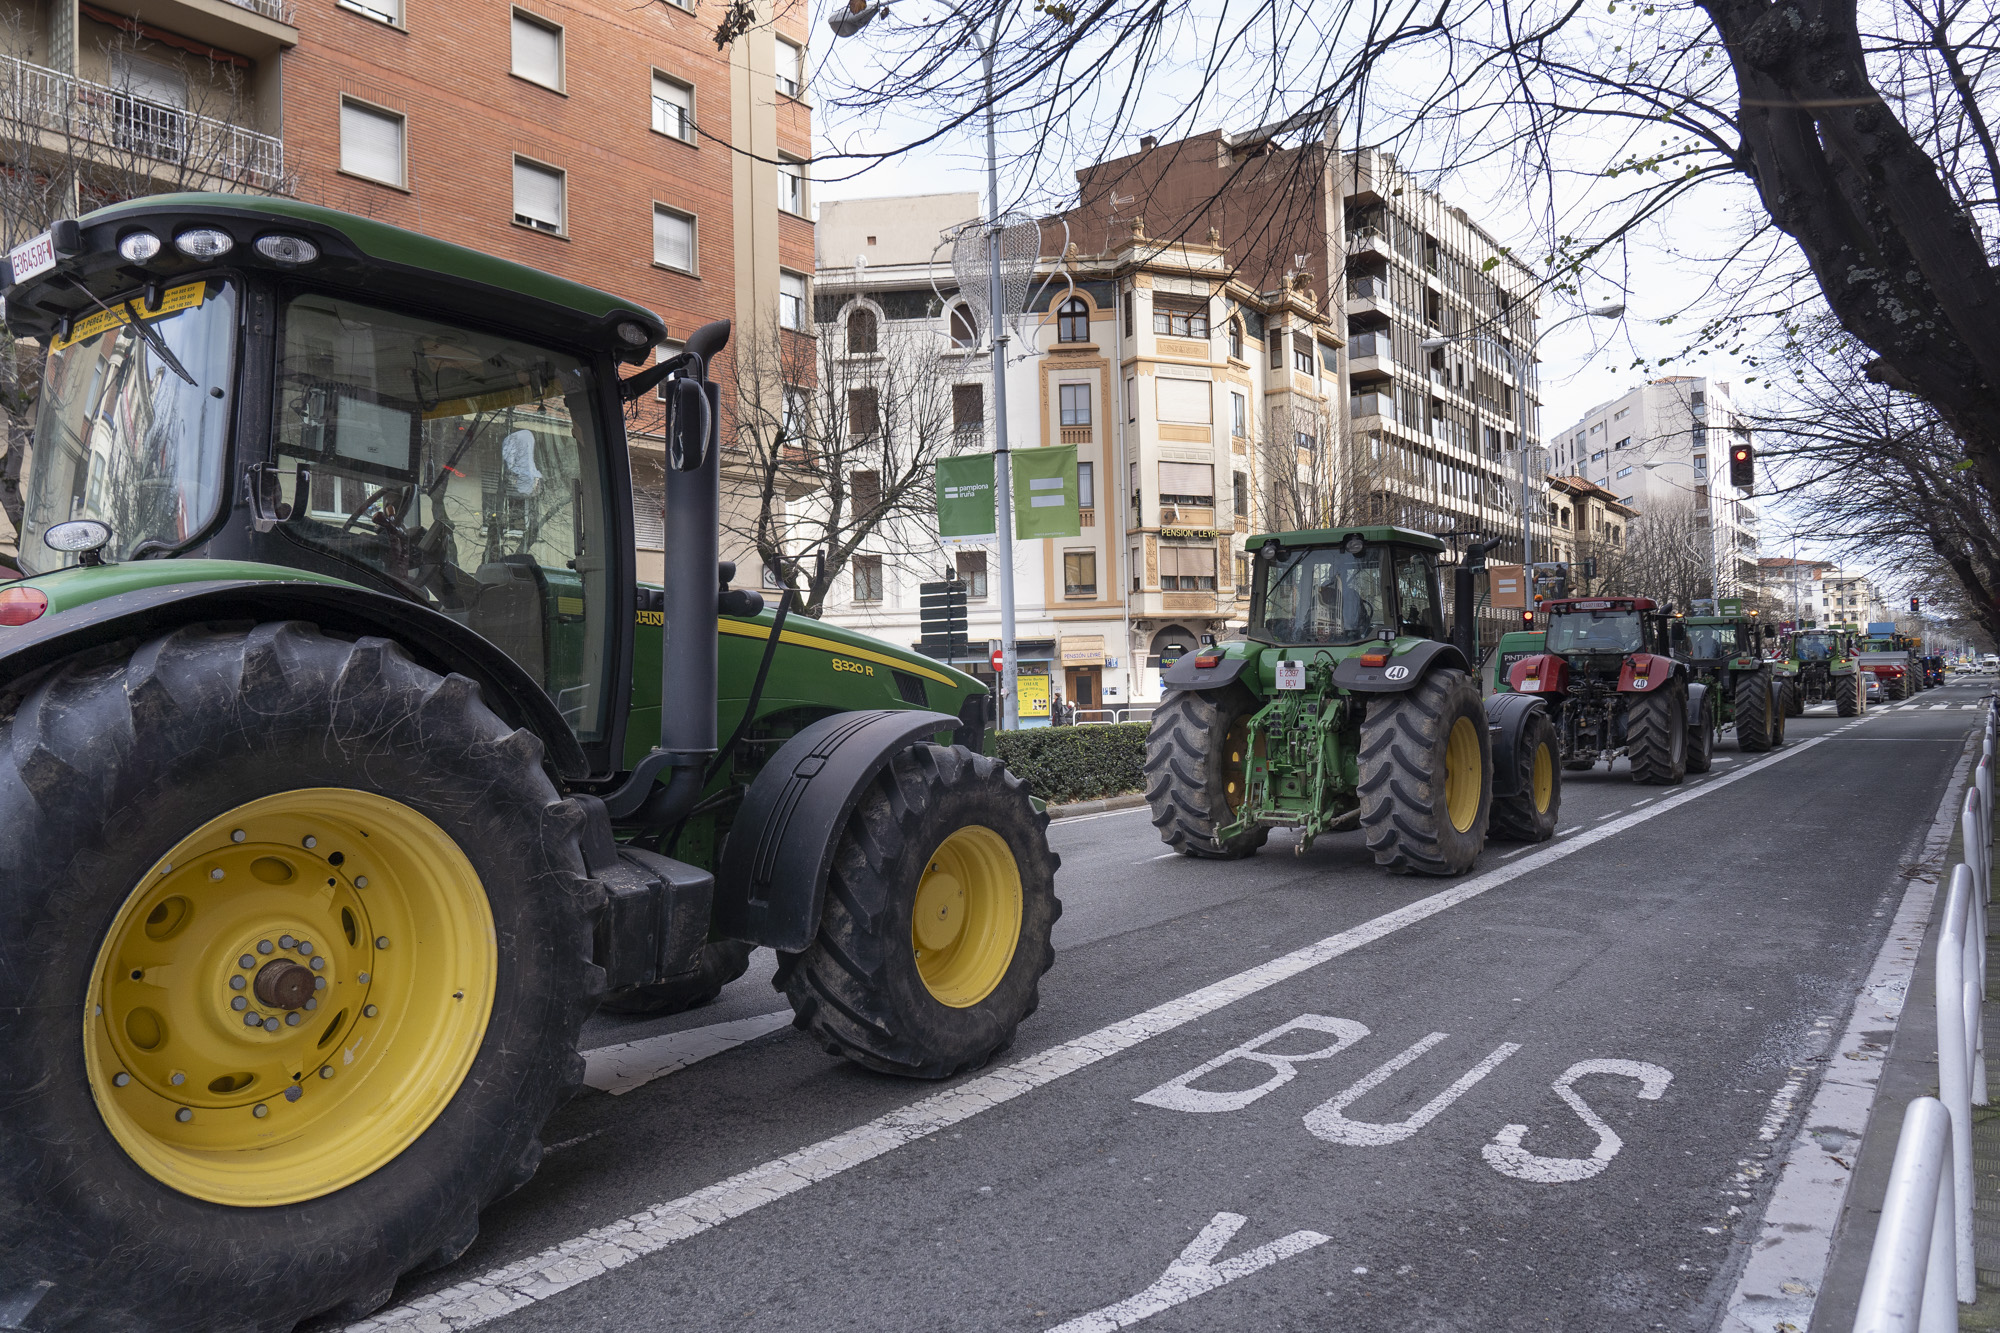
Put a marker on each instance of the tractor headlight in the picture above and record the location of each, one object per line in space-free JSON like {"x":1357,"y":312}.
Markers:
{"x":139,"y":246}
{"x":204,"y":243}
{"x":288,"y":250}
{"x":634,"y":335}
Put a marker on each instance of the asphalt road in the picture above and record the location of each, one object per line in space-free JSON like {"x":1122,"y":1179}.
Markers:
{"x":1551,"y":1094}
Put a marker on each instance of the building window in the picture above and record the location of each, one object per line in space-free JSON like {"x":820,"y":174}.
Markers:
{"x":1180,"y":319}
{"x":1187,"y":484}
{"x":1138,"y":570}
{"x":1239,"y":416}
{"x":867,"y":578}
{"x":538,"y":196}
{"x":1079,"y":573}
{"x":1131,"y":397}
{"x":792,"y":301}
{"x":1624,"y":472}
{"x":972,"y":569}
{"x":673,"y":108}
{"x":673,"y":239}
{"x":866,"y":489}
{"x":382,"y":11}
{"x":1240,"y":493}
{"x":538,"y":51}
{"x":371,"y":143}
{"x":1187,"y":568}
{"x":1236,"y":339}
{"x":1073,"y":321}
{"x":1625,"y":443}
{"x":792,"y":186}
{"x":1597,"y":457}
{"x":1302,"y":356}
{"x":864,"y":416}
{"x":1700,"y":437}
{"x":964,"y":333}
{"x":861,"y":332}
{"x":1243,"y":570}
{"x":1075,"y":399}
{"x":1596,"y":428}
{"x":1086,"y":486}
{"x":1277,"y":337}
{"x":1701,"y":465}
{"x":1129,"y":299}
{"x":968,"y":408}
{"x":791,"y":69}
{"x":794,"y":424}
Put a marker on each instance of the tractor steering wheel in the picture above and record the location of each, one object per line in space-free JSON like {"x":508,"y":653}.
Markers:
{"x":382,"y":520}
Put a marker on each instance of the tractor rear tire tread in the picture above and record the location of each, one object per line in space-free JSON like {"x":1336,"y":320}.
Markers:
{"x":1656,"y":736}
{"x":855,"y":990}
{"x":111,"y":757}
{"x":1187,"y":773}
{"x":1402,"y":778}
{"x":1847,"y":695}
{"x":1754,"y":724}
{"x":1515,"y":817}
{"x":1701,"y":737}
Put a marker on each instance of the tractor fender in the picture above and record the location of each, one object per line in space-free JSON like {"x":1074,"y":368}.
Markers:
{"x":433,"y":640}
{"x":772,"y":879}
{"x":1506,"y":718}
{"x":1401,"y":672}
{"x":1652,"y":669}
{"x":1697,"y":692}
{"x":1185,"y":675}
{"x":1550,"y":671}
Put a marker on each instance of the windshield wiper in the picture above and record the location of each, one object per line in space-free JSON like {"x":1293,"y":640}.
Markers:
{"x":150,"y":336}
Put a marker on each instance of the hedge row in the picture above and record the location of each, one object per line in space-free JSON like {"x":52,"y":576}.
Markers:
{"x":1077,"y":763}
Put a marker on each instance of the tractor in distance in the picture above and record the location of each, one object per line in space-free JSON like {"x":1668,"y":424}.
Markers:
{"x":1893,"y":658}
{"x":1344,"y":705}
{"x":346,"y":765}
{"x":1749,"y":690}
{"x":1514,"y":645}
{"x":1824,"y":670}
{"x":1612,"y":688}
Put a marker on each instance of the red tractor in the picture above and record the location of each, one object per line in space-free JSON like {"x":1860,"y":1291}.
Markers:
{"x":1612,"y":688}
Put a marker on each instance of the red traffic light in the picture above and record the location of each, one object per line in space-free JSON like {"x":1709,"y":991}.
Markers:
{"x":1527,"y":617}
{"x":1742,"y":467}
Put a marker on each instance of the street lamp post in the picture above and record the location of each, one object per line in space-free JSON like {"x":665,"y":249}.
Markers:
{"x":847,"y":22}
{"x":1517,"y":365}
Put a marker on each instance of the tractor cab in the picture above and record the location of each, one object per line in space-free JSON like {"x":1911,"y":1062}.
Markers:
{"x":1712,"y":642}
{"x":1818,"y":646}
{"x":1337,"y":589}
{"x":1596,"y":634}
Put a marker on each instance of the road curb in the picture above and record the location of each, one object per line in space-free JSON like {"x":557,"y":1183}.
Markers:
{"x":1129,"y":801}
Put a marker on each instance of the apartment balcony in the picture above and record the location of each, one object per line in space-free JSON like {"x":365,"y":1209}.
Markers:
{"x":1368,"y":295}
{"x":256,"y":28}
{"x":59,"y":113}
{"x":1368,"y":241}
{"x":1370,"y":356}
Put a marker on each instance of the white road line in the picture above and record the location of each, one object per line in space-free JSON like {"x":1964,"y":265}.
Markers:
{"x":517,"y":1285}
{"x":1102,"y":814}
{"x":1161,"y":857}
{"x":632,"y":1064}
{"x":1781,"y":1280}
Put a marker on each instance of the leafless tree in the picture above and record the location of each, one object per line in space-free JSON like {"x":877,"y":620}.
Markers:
{"x":834,"y":453}
{"x":1667,"y":556}
{"x":68,"y":145}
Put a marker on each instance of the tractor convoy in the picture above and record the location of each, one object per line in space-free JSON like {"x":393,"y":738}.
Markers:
{"x":1747,"y":690}
{"x":1825,"y":669}
{"x":346,"y":766}
{"x":1895,"y":659}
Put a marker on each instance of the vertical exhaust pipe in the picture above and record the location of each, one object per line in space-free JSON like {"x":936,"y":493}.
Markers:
{"x":1464,"y":630}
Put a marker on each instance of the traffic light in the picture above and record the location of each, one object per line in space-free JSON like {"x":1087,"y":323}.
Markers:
{"x":1916,"y":606}
{"x":1742,"y":467}
{"x":1528,"y":616}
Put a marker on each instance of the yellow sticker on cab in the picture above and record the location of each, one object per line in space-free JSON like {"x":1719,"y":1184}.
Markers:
{"x":184,"y":297}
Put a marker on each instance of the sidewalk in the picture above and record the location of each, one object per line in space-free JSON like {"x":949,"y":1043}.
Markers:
{"x":1909,"y":1072}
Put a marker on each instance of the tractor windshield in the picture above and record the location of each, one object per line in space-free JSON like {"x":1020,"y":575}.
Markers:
{"x":464,"y":468}
{"x":1813,"y":647}
{"x":1707,"y":641}
{"x":1324,"y":595}
{"x":121,"y":437}
{"x":1595,"y":632}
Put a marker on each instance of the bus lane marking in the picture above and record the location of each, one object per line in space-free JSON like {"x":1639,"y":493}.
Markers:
{"x":1194,"y":1273}
{"x":1506,"y":1155}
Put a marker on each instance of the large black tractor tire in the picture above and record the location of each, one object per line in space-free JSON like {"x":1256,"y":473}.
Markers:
{"x":1656,"y":736}
{"x":1195,"y":770}
{"x":722,"y":961}
{"x":1531,"y":814}
{"x":218,"y":748}
{"x":1701,"y":738}
{"x":1847,"y":695}
{"x":1755,"y":727}
{"x":1778,"y":717}
{"x":1795,"y":699}
{"x":1426,"y":763}
{"x":935,"y":932}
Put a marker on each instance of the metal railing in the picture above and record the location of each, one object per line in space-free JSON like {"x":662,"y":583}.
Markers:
{"x":270,"y":9}
{"x":1922,"y":1265}
{"x":1103,"y":717}
{"x":99,"y":116}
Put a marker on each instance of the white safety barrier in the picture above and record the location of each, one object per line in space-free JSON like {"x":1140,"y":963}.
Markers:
{"x":1923,"y":1263}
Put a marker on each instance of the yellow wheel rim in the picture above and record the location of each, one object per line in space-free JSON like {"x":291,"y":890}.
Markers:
{"x":967,"y":920}
{"x":1233,"y":746}
{"x":1461,"y":774}
{"x":356,"y":936}
{"x":1544,"y":782}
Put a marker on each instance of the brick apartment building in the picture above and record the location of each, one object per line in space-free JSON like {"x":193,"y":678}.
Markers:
{"x":609,"y":143}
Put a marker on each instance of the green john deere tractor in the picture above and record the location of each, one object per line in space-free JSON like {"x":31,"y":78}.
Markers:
{"x":1344,"y":706}
{"x":1726,"y":654}
{"x":1825,"y":669}
{"x":345,"y":765}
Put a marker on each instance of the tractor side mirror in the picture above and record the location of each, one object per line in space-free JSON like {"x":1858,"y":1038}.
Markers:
{"x":688,"y":435}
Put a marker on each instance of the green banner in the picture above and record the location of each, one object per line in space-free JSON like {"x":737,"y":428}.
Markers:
{"x":1045,"y":492}
{"x":965,"y":496}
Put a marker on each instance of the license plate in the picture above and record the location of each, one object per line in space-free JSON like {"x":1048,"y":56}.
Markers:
{"x":1291,"y":675}
{"x":32,"y":257}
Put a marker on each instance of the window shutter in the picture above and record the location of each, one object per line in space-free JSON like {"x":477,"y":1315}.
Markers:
{"x":538,"y":195}
{"x":649,"y":527}
{"x":371,"y":143}
{"x":537,"y":52}
{"x":673,"y":240}
{"x":1187,"y":479}
{"x":1184,"y":400}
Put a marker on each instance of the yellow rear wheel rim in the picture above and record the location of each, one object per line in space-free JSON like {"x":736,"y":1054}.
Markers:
{"x":1461,"y":774}
{"x":355,"y":901}
{"x":1544,"y":778}
{"x":966,"y":924}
